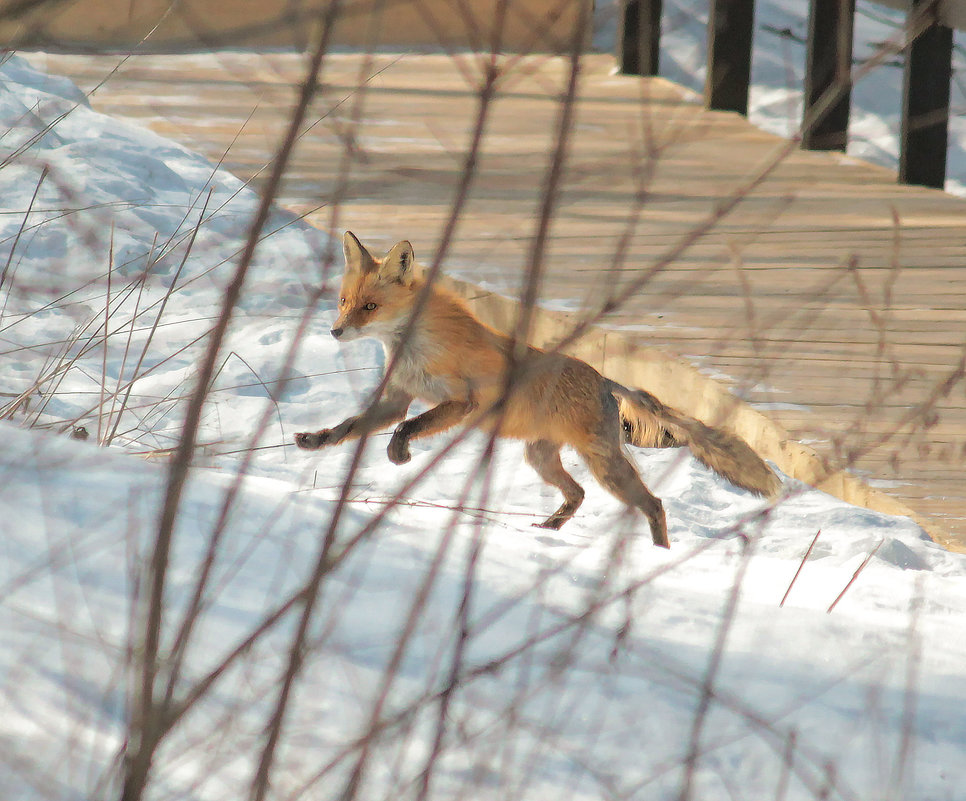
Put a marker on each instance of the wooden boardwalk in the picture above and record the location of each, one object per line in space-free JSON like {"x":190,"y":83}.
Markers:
{"x":814,"y":286}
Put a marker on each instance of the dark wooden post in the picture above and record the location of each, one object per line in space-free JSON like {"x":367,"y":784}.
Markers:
{"x":639,"y":37}
{"x":925,"y":104}
{"x":828,"y":62}
{"x":730,"y":27}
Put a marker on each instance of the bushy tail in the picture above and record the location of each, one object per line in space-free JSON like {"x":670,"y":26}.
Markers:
{"x":648,"y":423}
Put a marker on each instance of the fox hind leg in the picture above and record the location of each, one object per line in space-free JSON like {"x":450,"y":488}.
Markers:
{"x":611,"y":467}
{"x":544,"y":457}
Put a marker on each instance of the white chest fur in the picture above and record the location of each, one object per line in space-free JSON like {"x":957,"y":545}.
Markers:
{"x":411,"y":374}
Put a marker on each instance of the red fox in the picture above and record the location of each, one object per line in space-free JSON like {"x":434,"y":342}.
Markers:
{"x":452,"y":360}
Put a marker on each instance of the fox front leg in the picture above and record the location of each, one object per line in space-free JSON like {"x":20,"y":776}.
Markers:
{"x":437,"y":419}
{"x":378,"y":416}
{"x":313,"y":440}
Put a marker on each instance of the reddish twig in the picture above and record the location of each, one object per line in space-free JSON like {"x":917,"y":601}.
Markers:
{"x":804,"y":559}
{"x":855,"y":575}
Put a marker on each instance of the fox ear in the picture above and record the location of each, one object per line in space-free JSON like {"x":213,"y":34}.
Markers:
{"x":357,"y":258}
{"x":399,"y":264}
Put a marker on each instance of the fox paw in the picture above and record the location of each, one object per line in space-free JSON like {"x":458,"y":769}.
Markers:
{"x":398,"y":449}
{"x":313,"y":440}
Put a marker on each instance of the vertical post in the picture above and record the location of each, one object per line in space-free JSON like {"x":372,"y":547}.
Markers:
{"x":828,"y":62}
{"x":730,"y":27}
{"x":925,"y":104}
{"x":639,"y":37}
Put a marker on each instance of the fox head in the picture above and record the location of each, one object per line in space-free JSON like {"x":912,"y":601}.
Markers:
{"x":377,"y":294}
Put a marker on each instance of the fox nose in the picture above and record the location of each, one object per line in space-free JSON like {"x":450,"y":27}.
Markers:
{"x":337,"y":332}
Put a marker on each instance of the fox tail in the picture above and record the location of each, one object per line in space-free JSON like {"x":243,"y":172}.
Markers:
{"x":648,"y":423}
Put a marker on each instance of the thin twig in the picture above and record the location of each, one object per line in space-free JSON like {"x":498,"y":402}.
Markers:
{"x":855,"y":575}
{"x":800,"y":566}
{"x":150,"y":719}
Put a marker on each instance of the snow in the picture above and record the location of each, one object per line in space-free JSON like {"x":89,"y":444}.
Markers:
{"x":588,"y":654}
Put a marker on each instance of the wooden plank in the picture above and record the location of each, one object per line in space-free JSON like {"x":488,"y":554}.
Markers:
{"x":149,"y":25}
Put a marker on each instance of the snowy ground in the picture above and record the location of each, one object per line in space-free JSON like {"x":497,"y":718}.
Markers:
{"x":592,"y":665}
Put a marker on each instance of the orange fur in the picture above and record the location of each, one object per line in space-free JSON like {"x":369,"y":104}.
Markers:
{"x":456,"y":362}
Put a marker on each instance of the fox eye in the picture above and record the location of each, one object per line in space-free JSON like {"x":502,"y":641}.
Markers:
{"x":342,"y":301}
{"x":370,"y":306}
